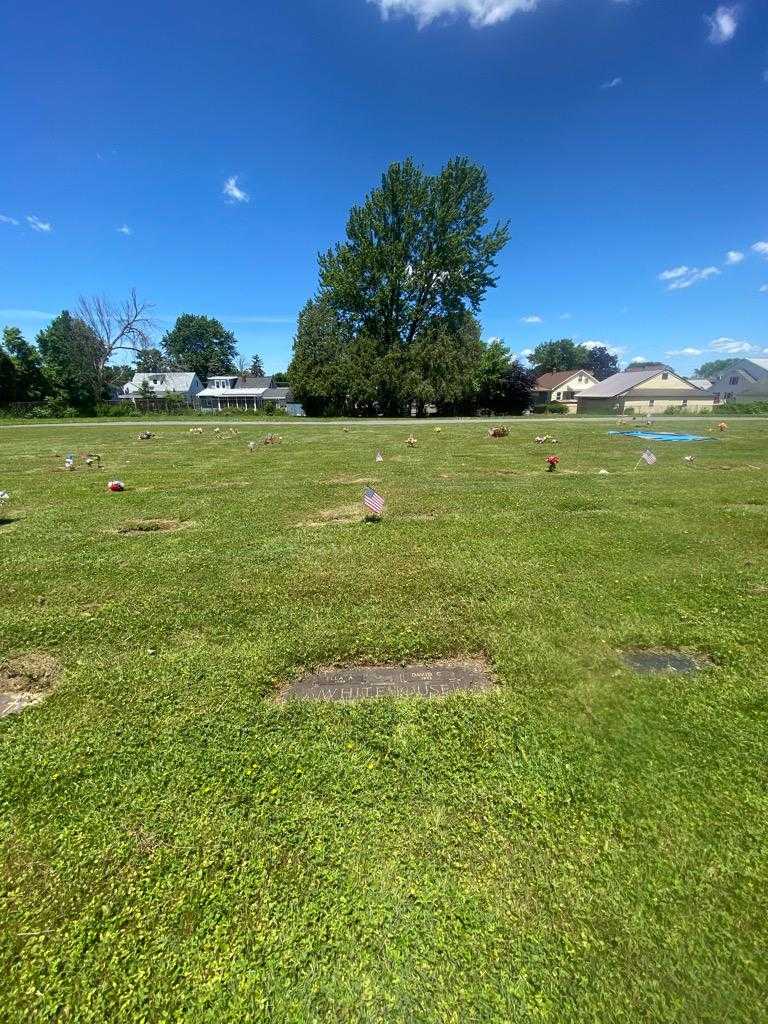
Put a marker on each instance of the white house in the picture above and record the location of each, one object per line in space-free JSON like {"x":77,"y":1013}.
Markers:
{"x":186,"y":385}
{"x":745,"y":379}
{"x":232,"y":392}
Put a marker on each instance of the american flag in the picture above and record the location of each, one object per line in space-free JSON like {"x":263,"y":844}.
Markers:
{"x":649,"y":457}
{"x":373,"y":501}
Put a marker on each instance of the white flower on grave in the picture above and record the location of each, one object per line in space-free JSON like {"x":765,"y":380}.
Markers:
{"x":4,"y":496}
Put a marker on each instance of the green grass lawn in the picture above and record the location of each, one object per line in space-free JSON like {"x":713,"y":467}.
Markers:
{"x":582,"y":844}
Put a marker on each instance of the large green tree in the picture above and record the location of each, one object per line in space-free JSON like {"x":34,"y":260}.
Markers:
{"x":503,"y":384}
{"x":31,"y":385}
{"x":9,"y":381}
{"x":555,"y":356}
{"x":69,"y":351}
{"x":392,"y":325}
{"x":319,"y":368}
{"x":150,"y":360}
{"x":600,"y":362}
{"x":200,"y":344}
{"x":714,"y":368}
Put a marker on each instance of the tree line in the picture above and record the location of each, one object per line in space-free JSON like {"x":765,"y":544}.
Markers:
{"x":75,"y":362}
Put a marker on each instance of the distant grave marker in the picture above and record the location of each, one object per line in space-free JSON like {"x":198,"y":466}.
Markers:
{"x":660,"y":662}
{"x":367,"y":682}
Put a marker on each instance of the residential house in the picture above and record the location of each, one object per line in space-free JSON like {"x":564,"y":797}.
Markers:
{"x":651,"y":388}
{"x":563,"y":387}
{"x":164,"y":384}
{"x":229,"y":391}
{"x":745,"y":380}
{"x":701,"y":382}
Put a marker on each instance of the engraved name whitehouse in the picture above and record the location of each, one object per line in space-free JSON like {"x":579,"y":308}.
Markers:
{"x":369,"y":682}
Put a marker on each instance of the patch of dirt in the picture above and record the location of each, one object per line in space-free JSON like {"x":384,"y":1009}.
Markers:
{"x":136,"y":527}
{"x":337,"y":516}
{"x":26,"y":680}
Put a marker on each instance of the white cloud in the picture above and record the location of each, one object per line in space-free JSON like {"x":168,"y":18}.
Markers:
{"x":531,"y":319}
{"x":39,"y":225}
{"x":124,"y":230}
{"x":7,"y":220}
{"x":670,"y":275}
{"x":527,"y":352}
{"x":481,"y":13}
{"x":638,"y":359}
{"x":723,"y":23}
{"x":612,"y":83}
{"x":764,"y":288}
{"x":733,"y":256}
{"x":678,"y":278}
{"x":686,"y":352}
{"x":761,"y":248}
{"x":233,"y":192}
{"x":731,"y":346}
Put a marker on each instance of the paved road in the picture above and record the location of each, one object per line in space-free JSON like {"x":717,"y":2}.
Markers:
{"x":299,"y":421}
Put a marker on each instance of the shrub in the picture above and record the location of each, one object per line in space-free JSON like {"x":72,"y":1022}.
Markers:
{"x":551,"y":407}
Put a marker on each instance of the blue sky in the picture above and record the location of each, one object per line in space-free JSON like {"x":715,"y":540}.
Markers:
{"x":623,"y":139}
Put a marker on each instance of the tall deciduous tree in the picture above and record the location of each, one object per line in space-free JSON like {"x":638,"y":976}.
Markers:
{"x":503,"y":385}
{"x":714,"y":368}
{"x":417,"y":251}
{"x":200,"y":344}
{"x":150,"y":360}
{"x":9,"y":379}
{"x":69,"y":351}
{"x":117,"y":327}
{"x":31,"y":385}
{"x":319,"y":370}
{"x":600,"y":362}
{"x":554,"y":356}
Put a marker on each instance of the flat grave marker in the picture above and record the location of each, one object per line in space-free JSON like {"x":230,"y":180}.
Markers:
{"x":369,"y":682}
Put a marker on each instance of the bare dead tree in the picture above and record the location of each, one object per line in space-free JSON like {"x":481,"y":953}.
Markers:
{"x":115,"y":327}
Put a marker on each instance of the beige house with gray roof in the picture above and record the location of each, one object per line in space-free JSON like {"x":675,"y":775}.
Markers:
{"x":651,"y":389}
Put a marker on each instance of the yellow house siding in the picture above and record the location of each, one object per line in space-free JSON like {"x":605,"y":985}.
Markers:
{"x":657,"y":383}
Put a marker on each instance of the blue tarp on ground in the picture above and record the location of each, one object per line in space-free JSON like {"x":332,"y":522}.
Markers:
{"x":651,"y":435}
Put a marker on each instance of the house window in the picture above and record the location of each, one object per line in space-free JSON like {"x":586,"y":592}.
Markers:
{"x":651,"y":401}
{"x":665,"y":376}
{"x":685,"y":402}
{"x":558,"y":394}
{"x":733,"y":380}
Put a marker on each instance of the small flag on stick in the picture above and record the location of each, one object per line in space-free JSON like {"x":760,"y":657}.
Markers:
{"x":648,"y":457}
{"x":373,"y":501}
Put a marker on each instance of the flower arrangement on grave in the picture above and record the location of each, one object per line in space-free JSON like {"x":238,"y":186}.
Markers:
{"x":552,"y":463}
{"x":722,"y":427}
{"x":411,"y":441}
{"x":546,"y":438}
{"x":115,"y":485}
{"x":146,"y":435}
{"x":90,"y":460}
{"x":498,"y":432}
{"x":273,"y":439}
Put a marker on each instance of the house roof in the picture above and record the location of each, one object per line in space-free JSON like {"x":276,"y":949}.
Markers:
{"x":249,"y":381}
{"x":171,"y":381}
{"x":231,"y":393}
{"x":620,"y":383}
{"x":701,"y":382}
{"x":549,"y":381}
{"x":276,"y":394}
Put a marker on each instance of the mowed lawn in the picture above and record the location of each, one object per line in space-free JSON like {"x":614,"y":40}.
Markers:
{"x":581,"y":844}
